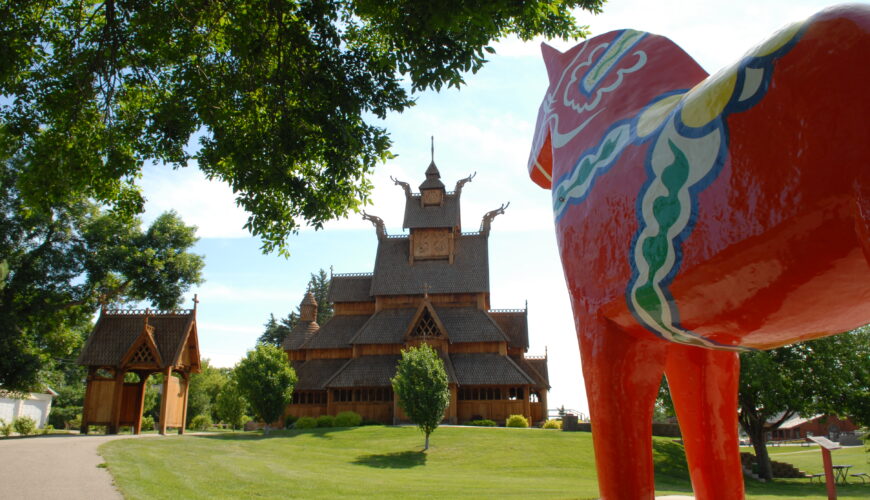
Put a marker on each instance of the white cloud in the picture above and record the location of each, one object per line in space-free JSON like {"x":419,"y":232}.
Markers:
{"x":207,"y":204}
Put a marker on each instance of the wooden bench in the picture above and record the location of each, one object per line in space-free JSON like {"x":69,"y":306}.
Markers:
{"x":863,"y":475}
{"x":813,"y":476}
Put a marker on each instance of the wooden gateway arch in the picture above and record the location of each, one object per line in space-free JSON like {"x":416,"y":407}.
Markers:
{"x":142,"y":342}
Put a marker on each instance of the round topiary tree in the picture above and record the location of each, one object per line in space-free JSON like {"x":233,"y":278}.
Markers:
{"x":421,"y":386}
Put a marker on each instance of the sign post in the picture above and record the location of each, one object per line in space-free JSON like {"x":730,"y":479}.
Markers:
{"x":826,"y":446}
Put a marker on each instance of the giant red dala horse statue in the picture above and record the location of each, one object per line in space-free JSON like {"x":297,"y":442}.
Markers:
{"x":700,"y":216}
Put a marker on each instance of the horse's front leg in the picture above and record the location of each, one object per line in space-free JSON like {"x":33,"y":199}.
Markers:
{"x":622,"y":375}
{"x":703,"y":386}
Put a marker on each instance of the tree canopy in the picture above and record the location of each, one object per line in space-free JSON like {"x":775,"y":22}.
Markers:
{"x":280,"y":99}
{"x":65,"y":260}
{"x":823,"y":376}
{"x":266,"y":379}
{"x":422,"y":388}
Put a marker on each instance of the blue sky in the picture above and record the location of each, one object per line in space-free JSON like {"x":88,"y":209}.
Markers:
{"x":485,"y":127}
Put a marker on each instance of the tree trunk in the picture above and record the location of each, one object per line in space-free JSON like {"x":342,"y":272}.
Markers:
{"x":426,"y":447}
{"x":756,"y":435}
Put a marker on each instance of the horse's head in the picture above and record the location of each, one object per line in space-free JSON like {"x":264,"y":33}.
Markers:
{"x":596,"y":84}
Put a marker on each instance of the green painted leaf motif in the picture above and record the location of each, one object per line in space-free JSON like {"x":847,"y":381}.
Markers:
{"x":655,"y":249}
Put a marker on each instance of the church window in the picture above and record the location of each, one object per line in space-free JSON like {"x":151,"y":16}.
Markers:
{"x":426,"y":327}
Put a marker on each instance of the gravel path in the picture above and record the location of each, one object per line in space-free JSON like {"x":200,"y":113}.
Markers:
{"x":60,"y":466}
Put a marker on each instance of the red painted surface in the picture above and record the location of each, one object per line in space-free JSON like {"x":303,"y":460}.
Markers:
{"x":769,"y":244}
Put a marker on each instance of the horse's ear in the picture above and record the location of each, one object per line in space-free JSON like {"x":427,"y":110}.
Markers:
{"x":553,"y":62}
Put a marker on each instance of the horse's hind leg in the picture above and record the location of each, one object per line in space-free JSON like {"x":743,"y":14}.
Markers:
{"x":703,"y":386}
{"x":622,"y":375}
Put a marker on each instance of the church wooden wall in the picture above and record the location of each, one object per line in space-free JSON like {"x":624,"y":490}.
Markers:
{"x":299,"y":411}
{"x":380,"y":411}
{"x":498,"y":410}
{"x":328,"y":354}
{"x":479,"y":300}
{"x":376,"y":349}
{"x":352,"y":308}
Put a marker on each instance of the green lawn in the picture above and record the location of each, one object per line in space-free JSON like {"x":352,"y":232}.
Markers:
{"x":386,"y":462}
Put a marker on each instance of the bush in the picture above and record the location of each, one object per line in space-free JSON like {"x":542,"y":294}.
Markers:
{"x":306,"y":423}
{"x":61,"y":418}
{"x":483,"y":422}
{"x":200,"y":423}
{"x":76,"y":423}
{"x":348,"y":419}
{"x":5,"y":429}
{"x":24,"y":426}
{"x":517,"y":421}
{"x":148,"y":423}
{"x":289,"y":421}
{"x":45,"y":430}
{"x":552,"y":424}
{"x":326,"y":421}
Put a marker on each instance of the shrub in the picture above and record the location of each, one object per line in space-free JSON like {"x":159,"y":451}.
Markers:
{"x":76,"y":423}
{"x":200,"y":423}
{"x":45,"y":430}
{"x":552,"y":424}
{"x":348,"y":419}
{"x":60,"y":418}
{"x":148,"y":423}
{"x":326,"y":421}
{"x":306,"y":423}
{"x":24,"y":426}
{"x":517,"y":421}
{"x":289,"y":421}
{"x":483,"y":422}
{"x":5,"y":429}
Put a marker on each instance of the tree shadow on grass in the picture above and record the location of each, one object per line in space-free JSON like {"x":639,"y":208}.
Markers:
{"x":323,"y":433}
{"x":398,"y":460}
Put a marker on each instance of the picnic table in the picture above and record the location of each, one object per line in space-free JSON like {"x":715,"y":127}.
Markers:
{"x":841,"y":472}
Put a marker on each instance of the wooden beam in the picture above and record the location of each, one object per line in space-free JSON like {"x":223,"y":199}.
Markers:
{"x":137,"y":426}
{"x":117,"y":395}
{"x":186,"y":378}
{"x":84,"y":426}
{"x":163,"y":400}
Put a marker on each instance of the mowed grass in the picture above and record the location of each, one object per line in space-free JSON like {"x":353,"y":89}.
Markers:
{"x":387,"y":462}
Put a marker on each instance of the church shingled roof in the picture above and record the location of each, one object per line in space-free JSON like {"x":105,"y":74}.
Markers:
{"x":536,"y":368}
{"x":515,"y":325}
{"x":350,"y":288}
{"x":488,"y":369}
{"x":313,"y":374}
{"x":445,"y":215}
{"x":116,"y":331}
{"x":395,"y":275}
{"x":387,"y":326}
{"x":469,"y":324}
{"x":366,"y":371}
{"x":337,"y":332}
{"x":300,"y":333}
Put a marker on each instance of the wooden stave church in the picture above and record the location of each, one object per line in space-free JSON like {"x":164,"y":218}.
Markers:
{"x":430,"y":285}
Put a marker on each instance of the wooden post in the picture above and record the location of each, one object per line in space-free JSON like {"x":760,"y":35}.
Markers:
{"x":164,"y":407}
{"x":527,"y":405}
{"x":83,"y":427}
{"x":186,"y":378}
{"x":117,"y":395}
{"x":826,"y":446}
{"x":452,"y":408}
{"x":137,"y":427}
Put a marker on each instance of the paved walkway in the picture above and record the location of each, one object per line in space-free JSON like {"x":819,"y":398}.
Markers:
{"x":60,"y":466}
